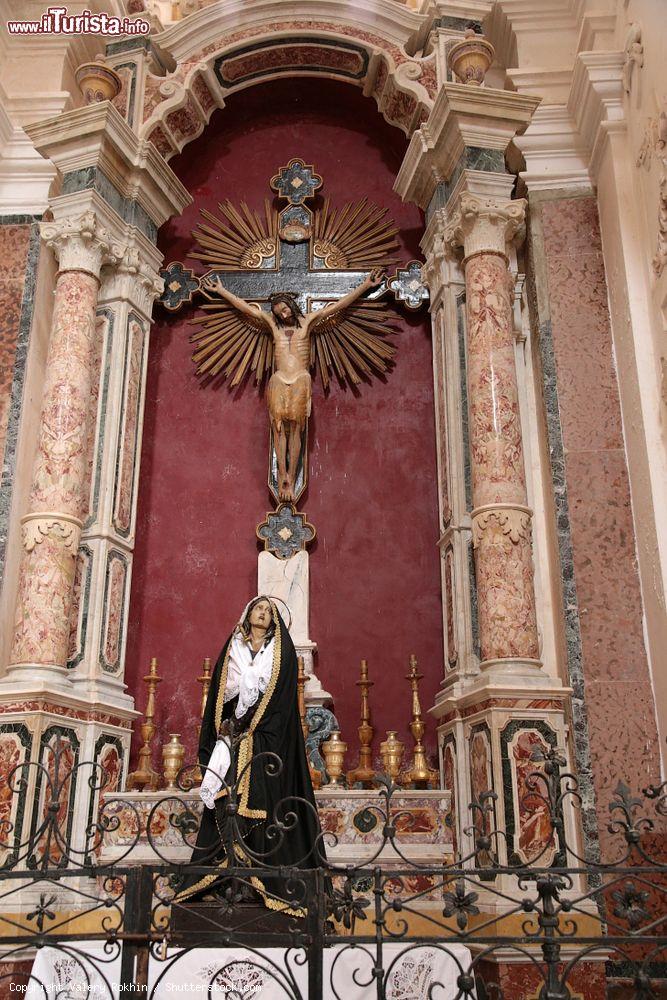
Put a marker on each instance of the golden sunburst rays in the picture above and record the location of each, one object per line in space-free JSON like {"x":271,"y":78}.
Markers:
{"x":227,"y":344}
{"x":352,"y":344}
{"x":241,"y":239}
{"x":356,"y":237}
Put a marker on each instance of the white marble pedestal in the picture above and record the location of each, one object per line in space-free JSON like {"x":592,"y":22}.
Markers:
{"x":288,"y":580}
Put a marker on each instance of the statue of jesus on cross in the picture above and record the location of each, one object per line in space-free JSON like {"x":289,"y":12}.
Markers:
{"x":289,"y":391}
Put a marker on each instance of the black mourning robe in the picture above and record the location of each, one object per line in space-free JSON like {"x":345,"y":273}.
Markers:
{"x":271,"y":726}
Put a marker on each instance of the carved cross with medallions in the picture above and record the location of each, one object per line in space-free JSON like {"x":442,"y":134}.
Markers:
{"x":296,"y":289}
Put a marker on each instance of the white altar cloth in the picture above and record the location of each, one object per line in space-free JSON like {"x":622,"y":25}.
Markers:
{"x":241,"y":974}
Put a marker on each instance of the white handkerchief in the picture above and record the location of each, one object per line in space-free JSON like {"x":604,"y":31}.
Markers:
{"x":216,"y":772}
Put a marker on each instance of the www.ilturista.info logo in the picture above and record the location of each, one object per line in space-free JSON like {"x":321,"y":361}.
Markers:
{"x":57,"y":21}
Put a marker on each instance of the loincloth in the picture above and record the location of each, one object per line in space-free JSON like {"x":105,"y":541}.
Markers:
{"x":289,"y":400}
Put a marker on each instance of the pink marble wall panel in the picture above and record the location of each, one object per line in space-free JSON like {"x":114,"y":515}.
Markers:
{"x":14,"y":243}
{"x":114,"y":603}
{"x":534,"y":835}
{"x":76,"y":639}
{"x":204,"y":96}
{"x":618,"y":694}
{"x":449,"y":780}
{"x":452,"y":652}
{"x":481,"y":781}
{"x":12,"y":755}
{"x":441,"y":416}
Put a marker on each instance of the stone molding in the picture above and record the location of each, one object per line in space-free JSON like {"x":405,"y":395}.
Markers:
{"x":25,"y":178}
{"x":176,"y":108}
{"x":40,"y":525}
{"x":556,"y":155}
{"x":98,"y":136}
{"x":596,"y":101}
{"x":484,"y":225}
{"x":184,"y":38}
{"x":506,"y":519}
{"x":462,"y":116}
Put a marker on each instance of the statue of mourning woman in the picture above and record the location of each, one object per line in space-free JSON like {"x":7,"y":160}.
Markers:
{"x":252,"y":747}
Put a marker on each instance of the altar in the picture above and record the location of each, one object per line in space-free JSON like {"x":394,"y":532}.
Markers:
{"x":315,"y":452}
{"x":250,"y":974}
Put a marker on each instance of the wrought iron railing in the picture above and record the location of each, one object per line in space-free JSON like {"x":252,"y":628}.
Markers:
{"x":111,"y":924}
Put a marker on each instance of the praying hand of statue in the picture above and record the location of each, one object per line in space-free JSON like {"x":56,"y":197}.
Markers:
{"x":289,"y":392}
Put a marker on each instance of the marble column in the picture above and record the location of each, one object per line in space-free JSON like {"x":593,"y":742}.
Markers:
{"x":501,"y":519}
{"x":58,"y":500}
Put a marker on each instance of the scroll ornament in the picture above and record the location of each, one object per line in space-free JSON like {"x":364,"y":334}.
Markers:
{"x":80,"y":243}
{"x":485,"y":225}
{"x":147,"y":283}
{"x":64,"y":527}
{"x":512,"y":522}
{"x":660,"y":256}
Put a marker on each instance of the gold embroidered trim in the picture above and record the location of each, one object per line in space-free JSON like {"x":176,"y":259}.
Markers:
{"x":201,"y":884}
{"x":274,"y":902}
{"x":271,"y":901}
{"x":245,"y":755}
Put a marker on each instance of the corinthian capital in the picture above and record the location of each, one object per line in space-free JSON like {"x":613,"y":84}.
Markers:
{"x":485,"y":224}
{"x":133,"y":277}
{"x":79,"y":242}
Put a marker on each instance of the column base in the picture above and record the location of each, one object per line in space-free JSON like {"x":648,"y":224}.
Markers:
{"x":513,"y":666}
{"x":105,"y":691}
{"x":35,"y":678}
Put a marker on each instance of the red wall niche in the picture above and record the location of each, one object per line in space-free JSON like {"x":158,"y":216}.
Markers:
{"x":375,"y":581}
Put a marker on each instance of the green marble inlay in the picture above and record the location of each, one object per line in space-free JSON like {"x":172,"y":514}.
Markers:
{"x":138,"y":43}
{"x":93,"y":179}
{"x":457,"y":23}
{"x":472,"y":158}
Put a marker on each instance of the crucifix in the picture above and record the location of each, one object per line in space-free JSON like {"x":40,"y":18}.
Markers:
{"x":295,"y":290}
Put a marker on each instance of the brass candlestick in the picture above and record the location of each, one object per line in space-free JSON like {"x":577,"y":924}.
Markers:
{"x":204,"y":679}
{"x":364,"y":772}
{"x":334,"y":756}
{"x":173,"y":755}
{"x":391,"y":752}
{"x":315,"y":775}
{"x":145,"y":777}
{"x":420,"y":773}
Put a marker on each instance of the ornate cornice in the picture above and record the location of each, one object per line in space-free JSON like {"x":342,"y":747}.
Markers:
{"x":596,"y":101}
{"x":462,"y":116}
{"x":184,"y":38}
{"x":97,"y":136}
